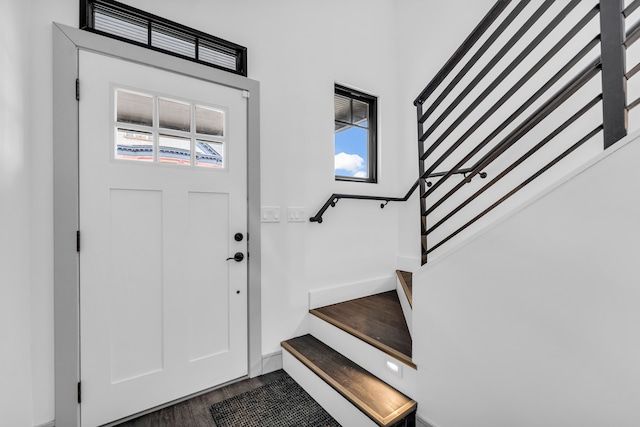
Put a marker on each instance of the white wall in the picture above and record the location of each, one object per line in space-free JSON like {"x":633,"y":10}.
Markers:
{"x":15,"y":261}
{"x":297,"y":50}
{"x":536,"y":321}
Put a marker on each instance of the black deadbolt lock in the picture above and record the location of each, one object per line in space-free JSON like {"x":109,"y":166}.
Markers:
{"x":238,"y":237}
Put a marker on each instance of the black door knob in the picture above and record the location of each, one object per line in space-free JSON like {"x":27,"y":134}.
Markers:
{"x":237,"y":257}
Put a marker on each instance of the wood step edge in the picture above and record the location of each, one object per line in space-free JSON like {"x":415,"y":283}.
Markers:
{"x":382,"y":421}
{"x":369,"y":340}
{"x":408,"y":288}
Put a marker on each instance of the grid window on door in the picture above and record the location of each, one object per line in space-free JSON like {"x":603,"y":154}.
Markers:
{"x":157,"y":129}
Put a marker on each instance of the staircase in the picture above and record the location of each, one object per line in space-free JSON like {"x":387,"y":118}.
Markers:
{"x":356,"y":361}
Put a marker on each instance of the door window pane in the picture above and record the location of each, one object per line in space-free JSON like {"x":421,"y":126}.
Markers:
{"x":174,"y":150}
{"x":133,"y":145}
{"x":165,"y":130}
{"x":174,"y":115}
{"x":209,"y":154}
{"x":209,"y":121}
{"x":134,"y":108}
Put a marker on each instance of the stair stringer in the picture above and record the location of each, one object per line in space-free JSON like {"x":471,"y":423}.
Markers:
{"x":367,"y":356}
{"x":406,"y":306}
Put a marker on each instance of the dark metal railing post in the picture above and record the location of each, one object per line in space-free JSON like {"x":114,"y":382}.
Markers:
{"x":423,"y":202}
{"x":614,"y":87}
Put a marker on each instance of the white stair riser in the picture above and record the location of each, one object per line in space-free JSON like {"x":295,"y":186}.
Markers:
{"x":406,"y":307}
{"x":333,"y":402}
{"x":365,"y":355}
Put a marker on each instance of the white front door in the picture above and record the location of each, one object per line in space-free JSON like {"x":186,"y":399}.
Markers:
{"x":163,"y":193}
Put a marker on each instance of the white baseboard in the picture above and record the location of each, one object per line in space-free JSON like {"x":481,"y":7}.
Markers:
{"x":49,"y":424}
{"x":271,"y":362}
{"x":421,"y":422}
{"x":349,"y":291}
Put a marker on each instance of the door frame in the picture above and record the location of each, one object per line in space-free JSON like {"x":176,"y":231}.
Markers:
{"x":67,"y":42}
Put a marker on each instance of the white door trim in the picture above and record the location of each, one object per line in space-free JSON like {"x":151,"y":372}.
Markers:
{"x":67,"y":41}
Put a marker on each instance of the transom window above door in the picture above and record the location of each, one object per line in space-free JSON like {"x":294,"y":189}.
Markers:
{"x":125,"y":23}
{"x":157,"y":129}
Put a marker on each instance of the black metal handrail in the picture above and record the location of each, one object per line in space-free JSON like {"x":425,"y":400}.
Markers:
{"x":333,"y":199}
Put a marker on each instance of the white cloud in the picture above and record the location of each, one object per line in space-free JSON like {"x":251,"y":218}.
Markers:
{"x":349,"y":162}
{"x":360,"y":174}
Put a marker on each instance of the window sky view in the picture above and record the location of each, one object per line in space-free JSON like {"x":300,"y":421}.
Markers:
{"x":351,"y":152}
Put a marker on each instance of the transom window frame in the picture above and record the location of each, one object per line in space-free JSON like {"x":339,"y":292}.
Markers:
{"x":207,"y":49}
{"x":156,"y":130}
{"x":372,"y":132}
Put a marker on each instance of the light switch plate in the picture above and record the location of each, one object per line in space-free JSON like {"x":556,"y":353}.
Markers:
{"x":270,"y":214}
{"x":295,"y":214}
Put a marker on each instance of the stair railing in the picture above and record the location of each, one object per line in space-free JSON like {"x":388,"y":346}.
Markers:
{"x":509,"y":105}
{"x":333,"y":199}
{"x":447,"y":135}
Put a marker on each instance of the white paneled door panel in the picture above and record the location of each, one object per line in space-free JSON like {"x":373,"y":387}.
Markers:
{"x":162,"y":196}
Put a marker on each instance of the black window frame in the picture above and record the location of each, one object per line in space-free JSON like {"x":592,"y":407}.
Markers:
{"x":372,"y":132}
{"x":156,"y":23}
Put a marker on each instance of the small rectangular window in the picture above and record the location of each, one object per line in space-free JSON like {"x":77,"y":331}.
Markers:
{"x":355,"y":143}
{"x":114,"y":19}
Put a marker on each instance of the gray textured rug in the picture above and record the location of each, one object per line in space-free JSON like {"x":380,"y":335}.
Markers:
{"x":282,"y":403}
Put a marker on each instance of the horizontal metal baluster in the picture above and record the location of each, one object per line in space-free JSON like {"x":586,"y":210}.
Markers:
{"x":518,"y":188}
{"x":466,"y":46}
{"x":474,"y":59}
{"x":518,"y":162}
{"x":576,"y":59}
{"x":591,"y":70}
{"x":545,"y":59}
{"x":631,"y":8}
{"x":632,"y":35}
{"x":496,"y":59}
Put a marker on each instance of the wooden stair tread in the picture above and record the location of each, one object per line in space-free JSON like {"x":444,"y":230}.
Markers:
{"x":377,"y":319}
{"x":379,"y":401}
{"x":406,"y":280}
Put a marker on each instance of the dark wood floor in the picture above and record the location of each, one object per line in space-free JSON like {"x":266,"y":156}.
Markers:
{"x":376,"y":319}
{"x":195,"y":412}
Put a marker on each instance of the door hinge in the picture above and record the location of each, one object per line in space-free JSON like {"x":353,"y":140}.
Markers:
{"x":79,"y":393}
{"x":77,"y":89}
{"x":246,"y":94}
{"x":78,"y":241}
